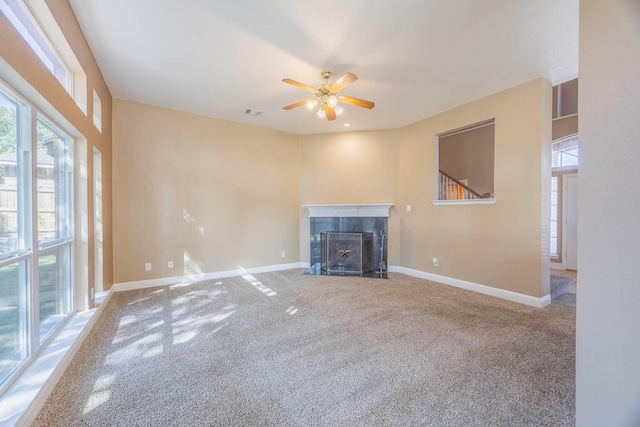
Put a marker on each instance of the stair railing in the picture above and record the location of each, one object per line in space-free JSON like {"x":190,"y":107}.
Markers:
{"x":452,"y":189}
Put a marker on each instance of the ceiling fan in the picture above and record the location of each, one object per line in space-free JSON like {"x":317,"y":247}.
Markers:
{"x":326,"y":96}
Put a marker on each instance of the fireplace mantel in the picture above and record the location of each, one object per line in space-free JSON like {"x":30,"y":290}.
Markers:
{"x":344,"y":211}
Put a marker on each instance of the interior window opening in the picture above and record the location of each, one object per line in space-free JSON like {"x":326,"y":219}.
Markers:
{"x":465,"y":163}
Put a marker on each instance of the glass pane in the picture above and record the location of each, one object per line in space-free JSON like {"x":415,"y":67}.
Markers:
{"x":565,"y":151}
{"x":568,"y":159}
{"x":13,"y":316}
{"x":554,"y":228}
{"x":553,"y":247}
{"x":572,"y":152}
{"x":53,"y":184}
{"x":54,"y":289}
{"x":8,"y":175}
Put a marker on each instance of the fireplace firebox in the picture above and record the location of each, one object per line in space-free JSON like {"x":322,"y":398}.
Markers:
{"x":346,"y":253}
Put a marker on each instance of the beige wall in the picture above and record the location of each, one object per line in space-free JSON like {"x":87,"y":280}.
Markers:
{"x":208,"y":194}
{"x":501,"y":245}
{"x":59,"y":105}
{"x":469,"y":155}
{"x":352,"y":167}
{"x":224,"y":195}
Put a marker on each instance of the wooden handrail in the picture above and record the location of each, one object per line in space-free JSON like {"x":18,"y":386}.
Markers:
{"x":460,"y":184}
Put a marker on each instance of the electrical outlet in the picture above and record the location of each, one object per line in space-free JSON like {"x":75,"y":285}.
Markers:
{"x":170,"y":264}
{"x":436,"y":262}
{"x":147,"y":266}
{"x":408,"y":208}
{"x":284,"y":254}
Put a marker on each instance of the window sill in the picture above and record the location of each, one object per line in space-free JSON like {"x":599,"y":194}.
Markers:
{"x":22,"y":401}
{"x":463,"y":202}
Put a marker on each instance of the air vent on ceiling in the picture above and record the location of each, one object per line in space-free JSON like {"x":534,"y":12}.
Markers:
{"x":252,"y":112}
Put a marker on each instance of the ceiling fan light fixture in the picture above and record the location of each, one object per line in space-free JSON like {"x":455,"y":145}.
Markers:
{"x":326,"y":96}
{"x":311,"y":104}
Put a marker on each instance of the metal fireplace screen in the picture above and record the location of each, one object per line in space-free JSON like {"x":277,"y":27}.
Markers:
{"x":346,"y":253}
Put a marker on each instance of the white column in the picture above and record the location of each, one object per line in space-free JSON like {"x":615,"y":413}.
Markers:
{"x":608,"y":313}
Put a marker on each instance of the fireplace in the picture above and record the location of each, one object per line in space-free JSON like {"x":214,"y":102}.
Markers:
{"x":370,"y":221}
{"x":346,"y":253}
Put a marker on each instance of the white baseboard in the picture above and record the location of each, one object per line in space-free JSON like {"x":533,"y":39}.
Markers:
{"x":476,"y":287}
{"x":558,"y":265}
{"x":192,"y":278}
{"x":21,"y":403}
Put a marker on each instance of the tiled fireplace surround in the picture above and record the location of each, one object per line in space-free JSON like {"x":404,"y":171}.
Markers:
{"x":371,"y":218}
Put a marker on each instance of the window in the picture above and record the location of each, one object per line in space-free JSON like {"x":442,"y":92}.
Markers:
{"x":565,"y":152}
{"x":36,"y":233}
{"x":21,"y":18}
{"x":97,"y":111}
{"x":465,"y":163}
{"x":553,"y":242}
{"x":34,"y":22}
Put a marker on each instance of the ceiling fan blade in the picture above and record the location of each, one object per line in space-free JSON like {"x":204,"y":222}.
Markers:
{"x":295,"y":104}
{"x":331,"y":113}
{"x":356,"y":101}
{"x":300,"y":85}
{"x":343,"y":82}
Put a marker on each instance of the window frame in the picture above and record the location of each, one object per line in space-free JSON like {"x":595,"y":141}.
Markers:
{"x":29,"y":249}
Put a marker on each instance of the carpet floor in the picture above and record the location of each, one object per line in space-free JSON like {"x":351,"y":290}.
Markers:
{"x":290,"y":349}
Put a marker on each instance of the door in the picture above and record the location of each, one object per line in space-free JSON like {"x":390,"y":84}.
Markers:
{"x":570,"y":214}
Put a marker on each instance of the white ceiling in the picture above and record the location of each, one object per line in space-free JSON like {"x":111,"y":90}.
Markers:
{"x":414,"y":58}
